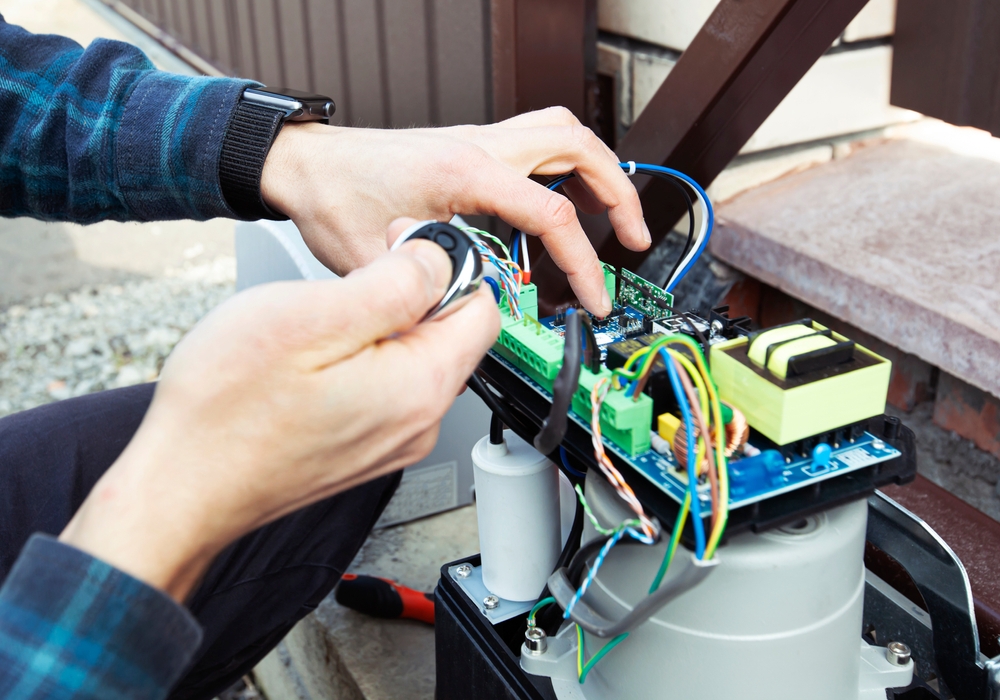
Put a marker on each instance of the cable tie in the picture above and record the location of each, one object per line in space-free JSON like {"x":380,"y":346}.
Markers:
{"x":631,"y":168}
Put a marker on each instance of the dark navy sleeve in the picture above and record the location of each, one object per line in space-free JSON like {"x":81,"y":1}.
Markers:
{"x":98,"y":133}
{"x":72,"y":626}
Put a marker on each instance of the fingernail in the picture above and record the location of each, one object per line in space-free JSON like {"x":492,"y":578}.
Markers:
{"x":434,"y":260}
{"x":605,"y":301}
{"x":645,"y":233}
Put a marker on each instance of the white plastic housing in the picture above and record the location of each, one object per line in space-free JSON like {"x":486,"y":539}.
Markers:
{"x":779,"y":619}
{"x":517,"y":499}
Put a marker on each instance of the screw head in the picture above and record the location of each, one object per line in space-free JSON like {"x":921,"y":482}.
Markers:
{"x":491,"y":602}
{"x":878,"y":444}
{"x":463,"y":570}
{"x":534,"y":640}
{"x":897,"y":653}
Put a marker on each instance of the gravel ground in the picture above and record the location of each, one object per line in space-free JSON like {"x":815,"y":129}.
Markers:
{"x":101,"y":337}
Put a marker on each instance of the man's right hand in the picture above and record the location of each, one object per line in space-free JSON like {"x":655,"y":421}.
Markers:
{"x":284,"y":395}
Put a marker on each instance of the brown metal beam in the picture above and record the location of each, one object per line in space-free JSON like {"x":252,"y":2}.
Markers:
{"x":975,"y":537}
{"x":744,"y":61}
{"x":544,"y":53}
{"x":944,"y":61}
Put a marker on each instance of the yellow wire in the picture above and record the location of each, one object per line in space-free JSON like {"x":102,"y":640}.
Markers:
{"x":649,"y":353}
{"x":720,"y":521}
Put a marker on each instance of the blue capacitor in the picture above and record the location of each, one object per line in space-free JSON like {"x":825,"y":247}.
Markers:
{"x":821,"y":456}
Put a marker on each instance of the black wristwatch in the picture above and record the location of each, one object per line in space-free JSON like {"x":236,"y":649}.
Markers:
{"x":251,"y":131}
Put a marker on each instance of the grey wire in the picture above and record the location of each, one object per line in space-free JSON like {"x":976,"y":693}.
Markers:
{"x":553,"y":429}
{"x":562,"y":590}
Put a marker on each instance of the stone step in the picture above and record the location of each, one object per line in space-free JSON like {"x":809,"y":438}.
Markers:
{"x":336,"y":653}
{"x":899,"y":240}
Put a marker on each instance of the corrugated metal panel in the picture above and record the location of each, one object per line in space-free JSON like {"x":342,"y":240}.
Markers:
{"x":395,"y":63}
{"x":945,"y":61}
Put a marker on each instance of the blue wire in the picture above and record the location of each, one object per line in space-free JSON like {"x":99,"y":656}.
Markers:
{"x":699,"y":526}
{"x":515,"y":246}
{"x":496,"y":287}
{"x":565,"y":462}
{"x":649,"y":169}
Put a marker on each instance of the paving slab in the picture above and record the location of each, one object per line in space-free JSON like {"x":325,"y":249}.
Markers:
{"x":899,"y":239}
{"x":338,"y":653}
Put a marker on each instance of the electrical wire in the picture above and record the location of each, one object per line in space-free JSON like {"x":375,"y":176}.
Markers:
{"x":582,"y":669}
{"x":597,"y":395}
{"x":538,"y":606}
{"x":707,"y":215}
{"x":507,"y":268}
{"x":691,"y":252}
{"x":553,"y":428}
{"x":564,"y":458}
{"x":494,"y":286}
{"x":699,"y":526}
{"x":675,"y":539}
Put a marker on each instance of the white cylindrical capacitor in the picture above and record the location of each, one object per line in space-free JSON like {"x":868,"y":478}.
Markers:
{"x":517,"y":500}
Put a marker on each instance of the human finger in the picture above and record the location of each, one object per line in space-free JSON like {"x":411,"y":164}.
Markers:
{"x":582,"y":197}
{"x":396,"y":228}
{"x":491,"y":188}
{"x":554,"y":150}
{"x":387,"y":297}
{"x":437,"y":357}
{"x":550,"y":116}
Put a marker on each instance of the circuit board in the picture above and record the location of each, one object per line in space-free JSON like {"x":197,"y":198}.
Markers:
{"x":663,"y":472}
{"x":530,"y":352}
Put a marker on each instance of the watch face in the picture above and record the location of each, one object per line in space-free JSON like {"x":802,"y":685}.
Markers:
{"x":294,"y":94}
{"x":299,"y":106}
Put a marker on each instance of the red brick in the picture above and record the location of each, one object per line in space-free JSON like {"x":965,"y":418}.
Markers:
{"x":970,"y":412}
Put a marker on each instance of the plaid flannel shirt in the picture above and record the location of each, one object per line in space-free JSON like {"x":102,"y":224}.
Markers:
{"x":87,"y":135}
{"x":72,"y":626}
{"x":94,"y":134}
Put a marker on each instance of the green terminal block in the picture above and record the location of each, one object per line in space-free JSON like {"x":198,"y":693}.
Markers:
{"x":538,"y":352}
{"x":535,"y":349}
{"x":624,"y":421}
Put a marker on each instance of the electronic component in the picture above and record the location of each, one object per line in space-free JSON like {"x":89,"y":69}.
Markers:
{"x":800,"y":380}
{"x":517,"y":496}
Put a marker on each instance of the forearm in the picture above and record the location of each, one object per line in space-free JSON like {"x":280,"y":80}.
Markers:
{"x":96,"y":134}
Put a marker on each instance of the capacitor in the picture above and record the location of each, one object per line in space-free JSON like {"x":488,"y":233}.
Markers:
{"x":517,"y":503}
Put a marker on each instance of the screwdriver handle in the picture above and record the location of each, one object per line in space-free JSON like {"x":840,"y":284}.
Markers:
{"x":380,"y":597}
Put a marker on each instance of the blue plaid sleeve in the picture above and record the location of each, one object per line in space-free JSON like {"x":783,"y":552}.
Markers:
{"x":72,"y":626}
{"x":98,"y":133}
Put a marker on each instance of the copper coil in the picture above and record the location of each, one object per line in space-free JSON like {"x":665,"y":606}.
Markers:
{"x":737,"y":433}
{"x":680,"y":444}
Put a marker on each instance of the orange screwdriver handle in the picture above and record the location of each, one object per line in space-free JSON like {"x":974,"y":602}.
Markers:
{"x":380,"y":597}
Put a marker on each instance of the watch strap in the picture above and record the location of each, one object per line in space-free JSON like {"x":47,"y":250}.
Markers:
{"x":248,"y":139}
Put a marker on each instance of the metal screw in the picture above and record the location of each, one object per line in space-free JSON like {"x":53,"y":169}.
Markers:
{"x":463,"y":570}
{"x":897,"y":653}
{"x":534,"y":640}
{"x":491,"y":602}
{"x":878,"y":444}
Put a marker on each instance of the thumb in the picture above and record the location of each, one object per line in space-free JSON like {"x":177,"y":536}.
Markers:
{"x":388,"y":297}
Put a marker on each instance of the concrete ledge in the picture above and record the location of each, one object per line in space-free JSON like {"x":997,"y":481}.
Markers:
{"x":338,"y":653}
{"x":898,"y":240}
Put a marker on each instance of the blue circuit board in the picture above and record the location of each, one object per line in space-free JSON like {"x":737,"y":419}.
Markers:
{"x":662,"y":469}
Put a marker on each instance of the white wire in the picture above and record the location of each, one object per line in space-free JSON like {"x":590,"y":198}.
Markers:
{"x":525,"y":262}
{"x":702,"y":232}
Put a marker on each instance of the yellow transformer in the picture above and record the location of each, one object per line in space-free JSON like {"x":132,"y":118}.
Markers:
{"x":800,"y":379}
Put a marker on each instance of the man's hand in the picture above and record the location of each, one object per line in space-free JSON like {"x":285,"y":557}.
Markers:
{"x":284,"y":395}
{"x":343,"y":186}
